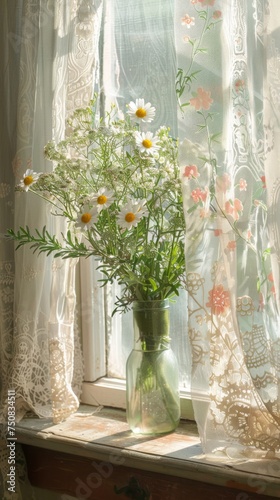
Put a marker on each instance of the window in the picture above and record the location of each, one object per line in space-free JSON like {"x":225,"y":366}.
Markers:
{"x":136,"y":59}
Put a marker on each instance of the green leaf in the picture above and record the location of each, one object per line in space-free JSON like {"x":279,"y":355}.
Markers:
{"x":214,"y":137}
{"x":202,"y":14}
{"x":203,"y":51}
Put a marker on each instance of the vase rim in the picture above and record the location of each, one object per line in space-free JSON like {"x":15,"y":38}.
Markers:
{"x":150,"y":304}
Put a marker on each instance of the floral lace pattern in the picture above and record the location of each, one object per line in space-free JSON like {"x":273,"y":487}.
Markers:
{"x":40,"y":339}
{"x":231,"y":201}
{"x":44,"y":349}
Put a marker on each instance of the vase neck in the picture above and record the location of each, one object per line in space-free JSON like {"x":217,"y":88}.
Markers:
{"x":151,"y":325}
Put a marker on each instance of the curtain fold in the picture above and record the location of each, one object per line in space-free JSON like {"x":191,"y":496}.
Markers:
{"x":49,"y":63}
{"x":57,"y":63}
{"x":58,"y":59}
{"x":227,"y":87}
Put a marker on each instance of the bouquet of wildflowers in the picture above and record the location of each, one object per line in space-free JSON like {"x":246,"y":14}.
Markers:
{"x":118,"y":187}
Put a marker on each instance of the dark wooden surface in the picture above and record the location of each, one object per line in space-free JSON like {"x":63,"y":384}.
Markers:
{"x":83,"y":477}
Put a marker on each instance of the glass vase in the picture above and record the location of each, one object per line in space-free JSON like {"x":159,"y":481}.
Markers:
{"x":152,"y":373}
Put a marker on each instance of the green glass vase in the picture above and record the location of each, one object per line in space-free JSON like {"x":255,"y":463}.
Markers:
{"x":152,"y":373}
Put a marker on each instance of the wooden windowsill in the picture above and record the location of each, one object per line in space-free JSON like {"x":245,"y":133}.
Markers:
{"x":102,"y":434}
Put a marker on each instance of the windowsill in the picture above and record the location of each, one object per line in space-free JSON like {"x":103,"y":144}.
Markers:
{"x":112,"y":392}
{"x":100,"y":433}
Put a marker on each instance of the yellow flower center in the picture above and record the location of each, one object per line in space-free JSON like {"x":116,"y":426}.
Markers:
{"x":86,"y":217}
{"x":28,"y":180}
{"x":102,"y":199}
{"x":141,"y":113}
{"x":147,"y":143}
{"x":130,"y":217}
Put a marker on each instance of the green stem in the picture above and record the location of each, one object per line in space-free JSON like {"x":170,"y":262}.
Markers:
{"x":167,"y":396}
{"x":195,"y":50}
{"x":234,"y":228}
{"x":63,"y":211}
{"x":211,"y":159}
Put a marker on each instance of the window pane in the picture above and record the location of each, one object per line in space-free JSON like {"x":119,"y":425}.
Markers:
{"x":138,"y":60}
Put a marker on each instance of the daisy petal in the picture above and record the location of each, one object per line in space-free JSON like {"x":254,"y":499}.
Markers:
{"x":86,"y":218}
{"x":131,"y":214}
{"x":147,"y":142}
{"x":141,"y":112}
{"x":29,"y":178}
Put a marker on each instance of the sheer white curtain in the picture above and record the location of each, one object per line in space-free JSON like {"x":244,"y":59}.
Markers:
{"x":50,"y":61}
{"x":57,"y":63}
{"x":229,"y":86}
{"x":140,"y":61}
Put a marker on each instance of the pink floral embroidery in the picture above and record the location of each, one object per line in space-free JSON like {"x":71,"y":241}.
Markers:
{"x":271,"y":279}
{"x":218,"y":232}
{"x":239,"y":84}
{"x":202,"y":100}
{"x":191,"y":171}
{"x":206,"y":2}
{"x":223,"y":183}
{"x":217,"y":14}
{"x":243,"y":185}
{"x":263,"y":181}
{"x":231,"y":245}
{"x":234,"y":208}
{"x":249,"y":234}
{"x":218,"y":300}
{"x":203,"y":214}
{"x":199,"y":195}
{"x":188,"y":21}
{"x":261,"y":302}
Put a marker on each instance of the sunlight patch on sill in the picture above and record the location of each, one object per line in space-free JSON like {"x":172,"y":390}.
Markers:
{"x":100,"y":433}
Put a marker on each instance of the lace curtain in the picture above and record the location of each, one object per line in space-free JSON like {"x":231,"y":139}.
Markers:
{"x":228,"y":87}
{"x":49,"y":60}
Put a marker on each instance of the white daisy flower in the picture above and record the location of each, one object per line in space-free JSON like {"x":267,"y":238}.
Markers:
{"x":146,"y":142}
{"x":141,"y":112}
{"x":141,"y":207}
{"x":131,"y":214}
{"x":87,"y":217}
{"x":29,"y":178}
{"x":103,"y":198}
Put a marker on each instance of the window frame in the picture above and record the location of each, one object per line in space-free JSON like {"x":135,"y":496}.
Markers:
{"x":112,"y":392}
{"x":98,"y":388}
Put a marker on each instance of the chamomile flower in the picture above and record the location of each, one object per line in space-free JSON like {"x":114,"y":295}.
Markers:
{"x":103,"y":198}
{"x":29,"y":178}
{"x":141,"y":207}
{"x":86,"y":218}
{"x":141,"y":112}
{"x":131,"y":214}
{"x":147,"y":142}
